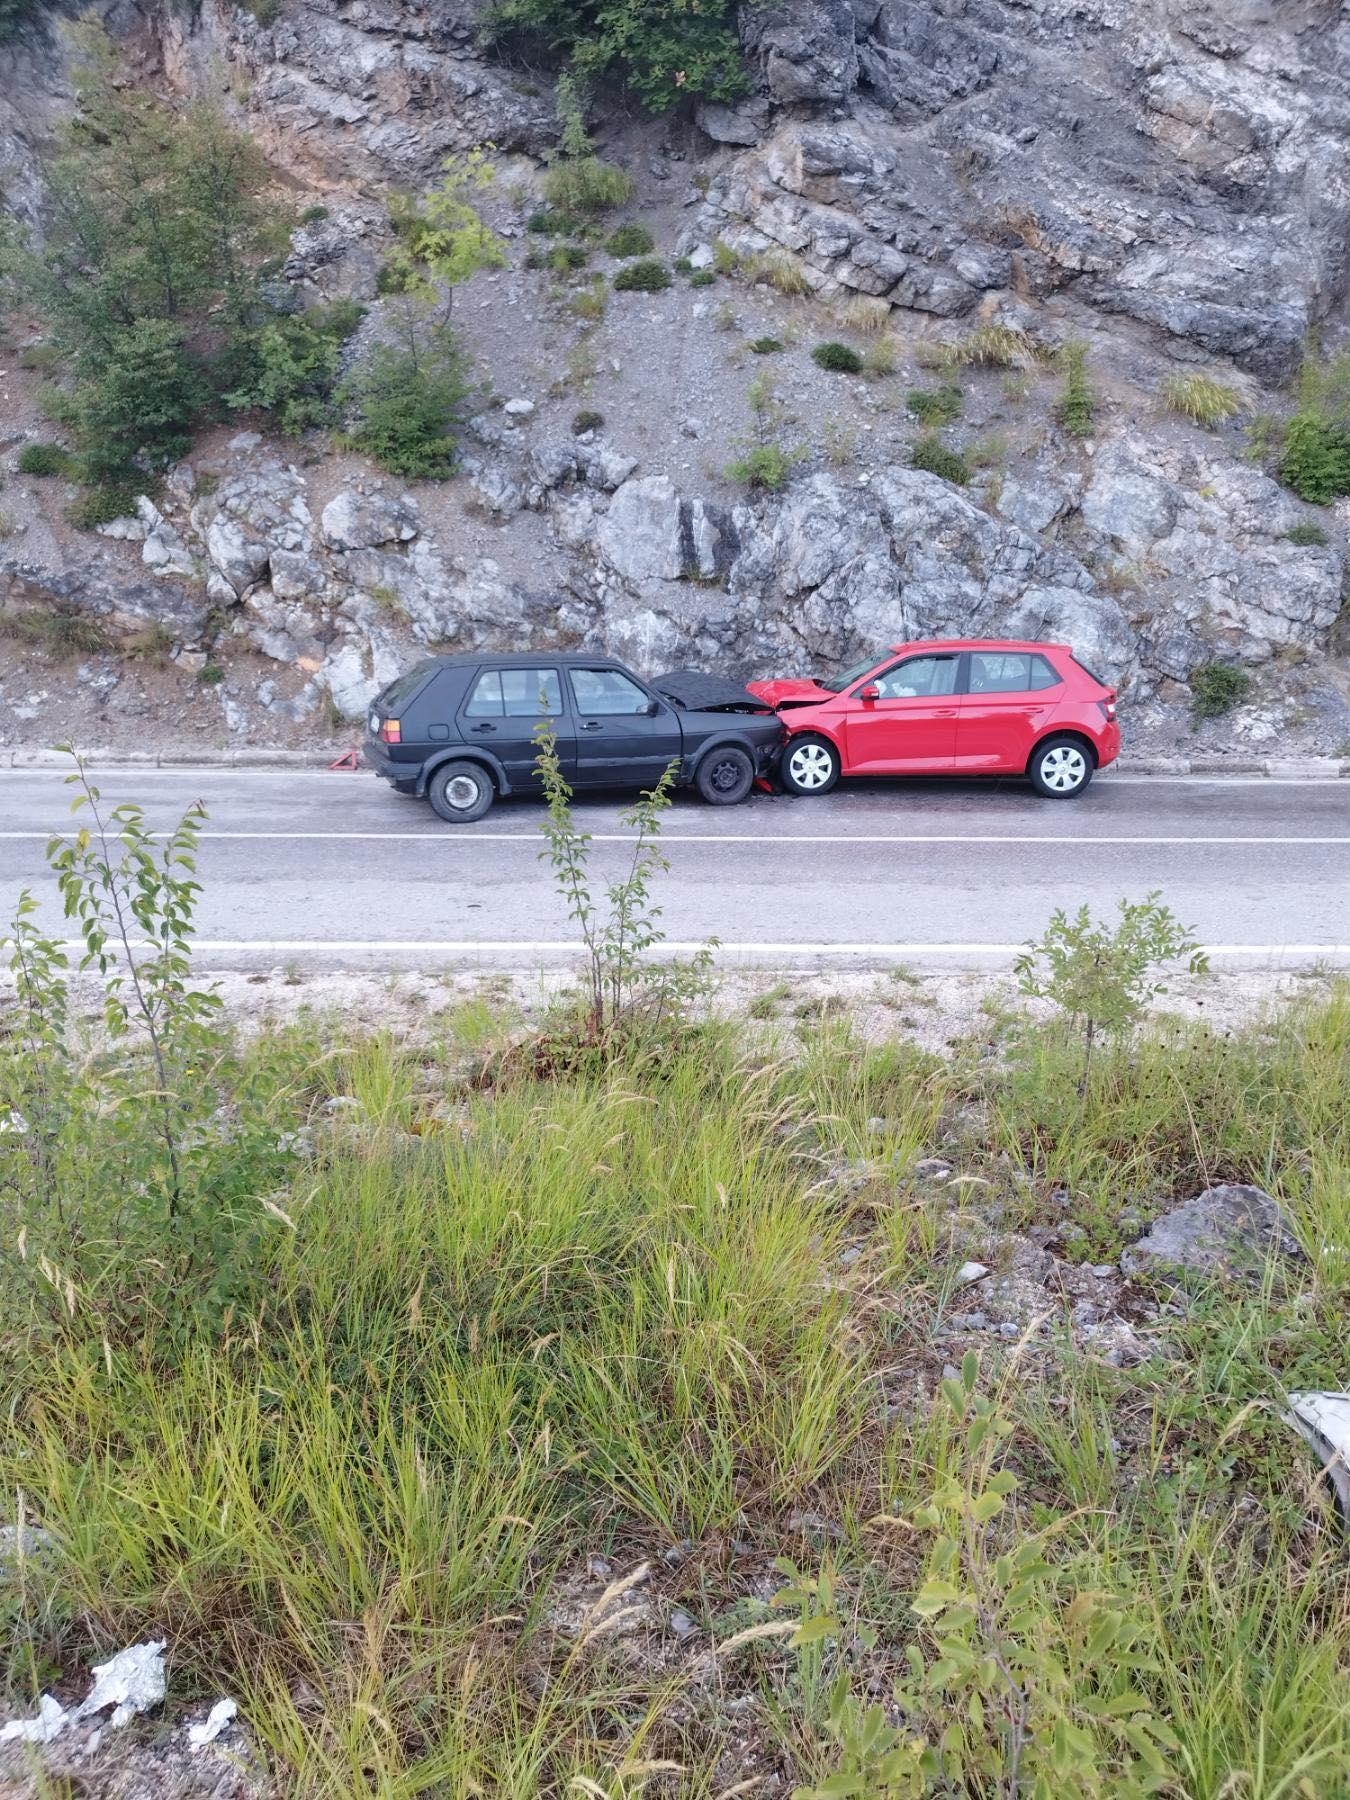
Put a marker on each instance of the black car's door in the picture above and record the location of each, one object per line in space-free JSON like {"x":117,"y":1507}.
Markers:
{"x":502,"y":711}
{"x":625,"y":735}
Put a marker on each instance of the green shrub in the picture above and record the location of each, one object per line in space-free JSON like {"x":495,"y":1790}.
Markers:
{"x":211,"y":674}
{"x":1216,"y":688}
{"x":682,"y":266}
{"x":645,"y":277}
{"x":1316,"y":459}
{"x":702,"y":278}
{"x":763,"y":466}
{"x":60,"y":630}
{"x":101,"y":503}
{"x":726,"y":261}
{"x":584,"y":184}
{"x":563,"y":257}
{"x":586,"y":420}
{"x":630,"y":240}
{"x":1306,"y":534}
{"x":1077,"y":402}
{"x":936,"y":406}
{"x":313,"y":215}
{"x":408,"y":399}
{"x":664,"y":51}
{"x":838,"y":358}
{"x":930,"y":453}
{"x":766,"y":346}
{"x":548,"y":223}
{"x":295,"y":361}
{"x":46,"y":459}
{"x":1201,"y":399}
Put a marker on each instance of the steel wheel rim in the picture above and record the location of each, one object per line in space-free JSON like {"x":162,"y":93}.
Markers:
{"x":811,"y":766}
{"x":726,"y":775}
{"x":1063,"y":769}
{"x":461,"y":792}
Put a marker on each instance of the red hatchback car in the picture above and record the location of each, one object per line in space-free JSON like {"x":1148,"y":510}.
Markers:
{"x":961,"y":707}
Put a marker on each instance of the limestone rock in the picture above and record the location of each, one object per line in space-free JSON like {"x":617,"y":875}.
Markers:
{"x":1228,"y":1230}
{"x":353,"y":521}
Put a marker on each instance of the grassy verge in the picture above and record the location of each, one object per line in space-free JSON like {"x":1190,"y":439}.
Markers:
{"x":505,"y":1337}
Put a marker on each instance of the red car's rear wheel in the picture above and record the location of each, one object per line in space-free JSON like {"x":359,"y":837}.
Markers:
{"x":810,"y":765}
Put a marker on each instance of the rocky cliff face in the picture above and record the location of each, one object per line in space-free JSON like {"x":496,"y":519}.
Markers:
{"x":1163,"y":183}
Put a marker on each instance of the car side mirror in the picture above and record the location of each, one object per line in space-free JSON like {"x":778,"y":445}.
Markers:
{"x":652,"y":708}
{"x":870,"y":692}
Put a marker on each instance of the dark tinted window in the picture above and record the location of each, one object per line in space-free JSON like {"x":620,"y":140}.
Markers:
{"x":1009,"y":672}
{"x":919,"y":678}
{"x":398,"y":691}
{"x":607,"y":691}
{"x":515,"y":694}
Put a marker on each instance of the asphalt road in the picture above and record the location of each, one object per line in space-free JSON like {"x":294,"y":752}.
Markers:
{"x":334,"y":870}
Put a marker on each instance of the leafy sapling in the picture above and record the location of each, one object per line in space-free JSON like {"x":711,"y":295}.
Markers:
{"x":1101,"y":979}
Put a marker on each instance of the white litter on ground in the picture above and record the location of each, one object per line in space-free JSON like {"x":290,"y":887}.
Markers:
{"x":130,"y":1682}
{"x":52,"y":1719}
{"x":970,"y":1271}
{"x":1323,"y":1421}
{"x":199,"y":1736}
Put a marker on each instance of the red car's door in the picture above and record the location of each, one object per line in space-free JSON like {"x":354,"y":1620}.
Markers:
{"x":1009,"y":696}
{"x":910,"y":727}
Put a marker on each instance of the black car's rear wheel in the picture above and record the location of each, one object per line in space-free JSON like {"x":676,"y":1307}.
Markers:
{"x":810,"y":765}
{"x":1060,"y":768}
{"x":725,"y":776}
{"x":460,"y":792}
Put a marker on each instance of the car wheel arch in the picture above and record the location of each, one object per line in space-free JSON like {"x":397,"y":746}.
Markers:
{"x":728,"y":740}
{"x":460,"y":753}
{"x":1063,"y":733}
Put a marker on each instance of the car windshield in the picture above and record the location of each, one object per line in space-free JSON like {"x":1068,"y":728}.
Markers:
{"x":837,"y":683}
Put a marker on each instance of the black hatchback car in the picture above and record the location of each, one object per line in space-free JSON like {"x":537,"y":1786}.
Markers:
{"x":460,"y":730}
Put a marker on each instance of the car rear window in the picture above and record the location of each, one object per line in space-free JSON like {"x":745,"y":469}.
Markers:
{"x":1091,"y":674}
{"x":398,"y":691}
{"x":1010,"y":672}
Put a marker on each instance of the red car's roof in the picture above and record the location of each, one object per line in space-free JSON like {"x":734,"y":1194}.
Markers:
{"x":978,"y":644}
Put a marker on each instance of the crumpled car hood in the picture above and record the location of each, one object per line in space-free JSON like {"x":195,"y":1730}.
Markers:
{"x":694,"y":691}
{"x":797,"y":691}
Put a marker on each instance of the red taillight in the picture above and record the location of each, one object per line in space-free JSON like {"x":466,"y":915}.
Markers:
{"x":390,"y":733}
{"x":1108,"y":708}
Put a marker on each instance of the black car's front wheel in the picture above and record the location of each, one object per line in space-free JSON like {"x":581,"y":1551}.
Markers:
{"x":460,"y":792}
{"x":1060,"y":768}
{"x":725,"y":776}
{"x":810,"y":766}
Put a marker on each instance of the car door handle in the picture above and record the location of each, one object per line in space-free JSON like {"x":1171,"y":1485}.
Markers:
{"x":945,"y":712}
{"x":592,"y":725}
{"x":483,"y":728}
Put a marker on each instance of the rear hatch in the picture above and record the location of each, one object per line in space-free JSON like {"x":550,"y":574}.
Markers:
{"x":384,"y":719}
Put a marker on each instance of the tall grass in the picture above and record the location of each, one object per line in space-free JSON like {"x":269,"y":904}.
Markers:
{"x":681,"y":1304}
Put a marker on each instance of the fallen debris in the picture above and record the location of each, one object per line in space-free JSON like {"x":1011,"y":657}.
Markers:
{"x":1323,"y":1422}
{"x":210,"y":1728}
{"x":131,"y":1682}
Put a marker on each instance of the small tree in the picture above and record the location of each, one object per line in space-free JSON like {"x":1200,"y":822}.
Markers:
{"x":1101,"y":979}
{"x":619,"y":976}
{"x":444,"y":241}
{"x":408,"y":397}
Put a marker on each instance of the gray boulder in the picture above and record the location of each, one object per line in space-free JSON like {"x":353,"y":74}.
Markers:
{"x":353,"y":521}
{"x":1229,"y":1230}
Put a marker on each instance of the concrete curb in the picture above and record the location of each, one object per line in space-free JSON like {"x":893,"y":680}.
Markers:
{"x":1308,"y":768}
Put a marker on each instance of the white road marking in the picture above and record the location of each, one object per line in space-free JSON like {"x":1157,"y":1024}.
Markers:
{"x":458,"y":836}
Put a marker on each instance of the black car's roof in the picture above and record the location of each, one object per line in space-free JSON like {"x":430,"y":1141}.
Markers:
{"x":526,"y":659}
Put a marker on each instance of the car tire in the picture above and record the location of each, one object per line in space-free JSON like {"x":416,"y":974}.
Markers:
{"x":725,"y":776}
{"x":1061,"y":768}
{"x":460,"y":792}
{"x":809,"y":766}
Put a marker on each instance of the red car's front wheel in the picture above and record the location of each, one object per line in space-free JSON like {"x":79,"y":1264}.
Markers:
{"x":810,"y":765}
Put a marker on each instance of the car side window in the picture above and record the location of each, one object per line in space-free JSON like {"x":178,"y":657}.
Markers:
{"x":606,"y":691}
{"x":515,"y":694}
{"x":1010,"y":672}
{"x":919,"y":678}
